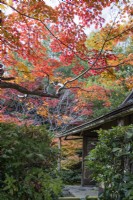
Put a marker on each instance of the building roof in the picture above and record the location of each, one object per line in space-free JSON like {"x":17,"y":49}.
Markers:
{"x":128,"y":100}
{"x":124,"y":109}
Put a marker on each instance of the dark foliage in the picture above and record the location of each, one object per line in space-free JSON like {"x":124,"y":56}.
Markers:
{"x":27,"y":164}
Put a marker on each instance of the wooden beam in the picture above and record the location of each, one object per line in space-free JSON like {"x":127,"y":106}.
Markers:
{"x":77,"y":138}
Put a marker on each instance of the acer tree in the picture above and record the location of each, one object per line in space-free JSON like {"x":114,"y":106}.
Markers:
{"x":37,"y":40}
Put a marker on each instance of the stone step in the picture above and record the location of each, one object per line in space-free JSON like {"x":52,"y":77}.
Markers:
{"x":69,"y":198}
{"x":77,"y":198}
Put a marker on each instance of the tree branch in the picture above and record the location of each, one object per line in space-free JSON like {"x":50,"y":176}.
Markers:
{"x":93,"y":64}
{"x":26,"y":91}
{"x":7,"y":78}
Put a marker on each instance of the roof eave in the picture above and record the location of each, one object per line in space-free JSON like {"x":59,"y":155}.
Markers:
{"x":122,"y":111}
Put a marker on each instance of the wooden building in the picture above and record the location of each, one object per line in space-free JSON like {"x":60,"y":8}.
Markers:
{"x":121,"y":116}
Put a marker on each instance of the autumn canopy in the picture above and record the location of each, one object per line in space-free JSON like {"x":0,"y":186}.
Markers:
{"x":46,"y":51}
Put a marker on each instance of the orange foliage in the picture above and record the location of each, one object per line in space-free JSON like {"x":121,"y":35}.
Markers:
{"x":129,"y":82}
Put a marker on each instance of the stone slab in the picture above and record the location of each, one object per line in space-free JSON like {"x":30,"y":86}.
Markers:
{"x":81,"y":191}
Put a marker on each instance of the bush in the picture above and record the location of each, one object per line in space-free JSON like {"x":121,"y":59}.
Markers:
{"x":71,"y":176}
{"x":111,"y":163}
{"x":27,"y":164}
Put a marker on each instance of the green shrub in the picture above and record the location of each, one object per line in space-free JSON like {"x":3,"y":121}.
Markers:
{"x":71,"y":176}
{"x":27,"y":164}
{"x":111,"y":163}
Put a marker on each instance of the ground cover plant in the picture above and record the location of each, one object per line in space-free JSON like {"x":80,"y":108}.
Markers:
{"x":27,"y":164}
{"x":111,"y":163}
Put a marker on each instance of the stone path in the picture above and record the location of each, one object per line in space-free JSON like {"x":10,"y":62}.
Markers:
{"x":79,"y":191}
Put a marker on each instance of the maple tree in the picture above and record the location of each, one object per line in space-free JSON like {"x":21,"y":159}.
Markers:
{"x":37,"y":40}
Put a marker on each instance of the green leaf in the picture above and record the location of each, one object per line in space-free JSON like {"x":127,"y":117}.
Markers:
{"x":116,"y":149}
{"x":130,"y":134}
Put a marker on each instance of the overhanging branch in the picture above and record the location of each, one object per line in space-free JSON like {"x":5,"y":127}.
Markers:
{"x":26,"y":91}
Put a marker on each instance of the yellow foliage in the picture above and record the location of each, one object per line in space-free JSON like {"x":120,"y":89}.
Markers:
{"x":108,"y":75}
{"x":2,"y":7}
{"x":42,"y":111}
{"x":10,"y":2}
{"x":23,"y":69}
{"x":97,"y":40}
{"x":68,"y":162}
{"x":69,"y":149}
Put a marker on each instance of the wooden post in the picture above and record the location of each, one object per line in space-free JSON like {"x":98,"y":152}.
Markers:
{"x":89,"y":143}
{"x":82,"y":175}
{"x":59,"y":158}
